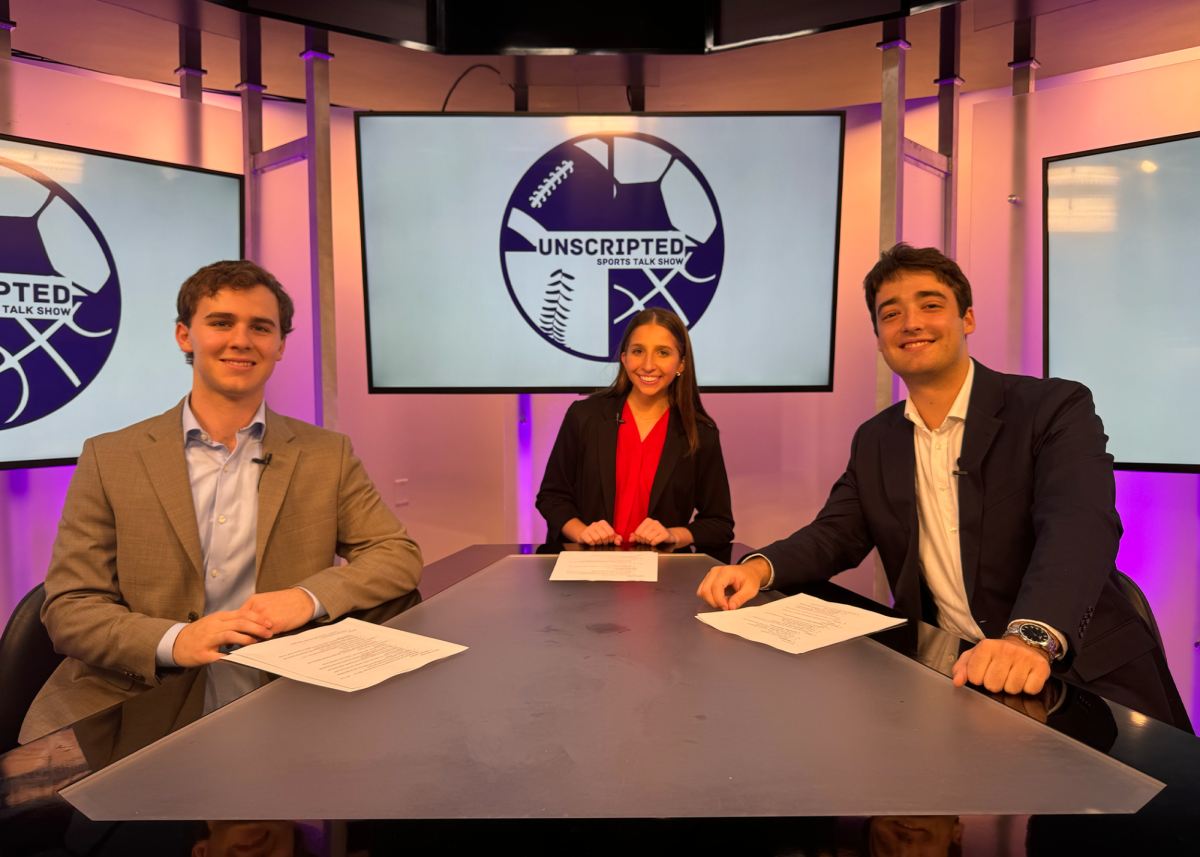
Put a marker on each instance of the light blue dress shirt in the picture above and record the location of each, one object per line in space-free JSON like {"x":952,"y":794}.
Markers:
{"x":225,"y":494}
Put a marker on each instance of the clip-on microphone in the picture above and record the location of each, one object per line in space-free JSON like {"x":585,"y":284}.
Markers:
{"x":264,"y":461}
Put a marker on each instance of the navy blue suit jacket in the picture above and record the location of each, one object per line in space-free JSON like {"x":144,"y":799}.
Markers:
{"x":1038,"y":526}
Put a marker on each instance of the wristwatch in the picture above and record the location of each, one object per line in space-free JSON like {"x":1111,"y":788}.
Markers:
{"x":1034,"y":635}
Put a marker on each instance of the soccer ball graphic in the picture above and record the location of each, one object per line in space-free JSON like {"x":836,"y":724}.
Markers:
{"x":604,"y":226}
{"x":60,"y":299}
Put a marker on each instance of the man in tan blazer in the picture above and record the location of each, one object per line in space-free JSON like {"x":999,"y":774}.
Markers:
{"x":214,"y":524}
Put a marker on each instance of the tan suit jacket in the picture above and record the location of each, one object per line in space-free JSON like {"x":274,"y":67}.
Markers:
{"x":127,"y":563}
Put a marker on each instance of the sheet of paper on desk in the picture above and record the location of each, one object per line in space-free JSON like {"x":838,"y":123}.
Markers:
{"x":800,"y":623}
{"x":606,"y":565}
{"x":348,"y":655}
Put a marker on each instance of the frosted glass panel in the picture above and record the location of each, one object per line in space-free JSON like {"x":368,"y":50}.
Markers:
{"x":1123,"y":300}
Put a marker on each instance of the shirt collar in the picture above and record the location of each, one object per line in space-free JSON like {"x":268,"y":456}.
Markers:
{"x":958,"y":411}
{"x":192,"y":429}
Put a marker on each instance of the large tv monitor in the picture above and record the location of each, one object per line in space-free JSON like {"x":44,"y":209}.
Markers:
{"x":93,"y":249}
{"x":507,"y":252}
{"x":1121,"y":295}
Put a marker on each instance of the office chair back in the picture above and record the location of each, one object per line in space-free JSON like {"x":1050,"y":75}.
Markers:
{"x":27,"y":658}
{"x":1138,"y":599}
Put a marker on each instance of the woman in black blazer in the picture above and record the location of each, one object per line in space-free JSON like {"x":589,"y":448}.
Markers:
{"x":601,"y":484}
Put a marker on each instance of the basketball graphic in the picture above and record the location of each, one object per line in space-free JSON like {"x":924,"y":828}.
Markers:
{"x":604,"y":226}
{"x":60,"y":299}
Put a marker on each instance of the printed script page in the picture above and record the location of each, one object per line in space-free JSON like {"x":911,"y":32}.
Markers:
{"x":799,"y":624}
{"x":349,"y":655}
{"x":606,"y":565}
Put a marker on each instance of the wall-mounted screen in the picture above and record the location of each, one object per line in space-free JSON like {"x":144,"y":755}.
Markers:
{"x":93,"y":249}
{"x":507,"y":253}
{"x":1121,"y":295}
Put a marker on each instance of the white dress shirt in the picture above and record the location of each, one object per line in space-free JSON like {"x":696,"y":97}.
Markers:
{"x":939,"y":547}
{"x":225,"y":494}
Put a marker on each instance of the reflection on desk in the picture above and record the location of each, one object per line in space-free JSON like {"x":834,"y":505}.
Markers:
{"x":33,"y":820}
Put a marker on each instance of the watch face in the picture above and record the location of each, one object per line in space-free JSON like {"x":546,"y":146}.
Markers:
{"x":1034,"y":634}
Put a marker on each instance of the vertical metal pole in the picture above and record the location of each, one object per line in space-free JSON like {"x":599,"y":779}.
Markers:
{"x":190,"y":74}
{"x":316,"y":57}
{"x":524,"y":477}
{"x":891,"y":202}
{"x":6,"y":28}
{"x":251,"y":88}
{"x":1024,"y":65}
{"x":520,"y":84}
{"x":637,"y":83}
{"x":891,"y":177}
{"x":948,"y":82}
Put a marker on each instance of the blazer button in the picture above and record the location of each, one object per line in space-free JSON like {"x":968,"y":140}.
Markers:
{"x":193,"y":616}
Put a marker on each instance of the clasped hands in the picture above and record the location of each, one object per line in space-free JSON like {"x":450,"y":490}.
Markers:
{"x":649,"y":532}
{"x":263,"y":615}
{"x":1006,"y":665}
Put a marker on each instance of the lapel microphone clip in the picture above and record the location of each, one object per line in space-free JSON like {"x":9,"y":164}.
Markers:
{"x":264,"y":461}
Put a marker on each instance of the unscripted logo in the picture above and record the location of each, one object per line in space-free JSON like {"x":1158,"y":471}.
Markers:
{"x":60,"y":299}
{"x":603,"y":226}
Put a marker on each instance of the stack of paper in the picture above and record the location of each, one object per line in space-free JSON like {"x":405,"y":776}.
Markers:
{"x":349,"y":655}
{"x":606,"y":565}
{"x":799,"y":624}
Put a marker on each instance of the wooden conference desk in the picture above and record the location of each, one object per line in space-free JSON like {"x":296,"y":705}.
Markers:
{"x":611,"y":701}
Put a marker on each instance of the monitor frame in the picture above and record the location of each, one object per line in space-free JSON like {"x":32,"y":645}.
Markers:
{"x":373,"y":388}
{"x":1138,"y":466}
{"x":241,"y":180}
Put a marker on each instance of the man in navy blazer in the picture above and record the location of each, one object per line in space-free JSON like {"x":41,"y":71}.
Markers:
{"x":991,"y":500}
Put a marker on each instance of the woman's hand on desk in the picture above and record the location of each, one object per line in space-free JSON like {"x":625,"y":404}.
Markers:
{"x":651,"y":532}
{"x":598,"y":533}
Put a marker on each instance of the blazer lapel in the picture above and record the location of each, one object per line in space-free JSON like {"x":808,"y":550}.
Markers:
{"x":606,"y":451}
{"x":982,"y":426}
{"x":899,"y":461}
{"x":276,"y":478}
{"x":673,"y":449}
{"x":166,"y":465}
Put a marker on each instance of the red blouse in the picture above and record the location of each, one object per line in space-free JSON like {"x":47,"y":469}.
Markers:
{"x":637,"y":462}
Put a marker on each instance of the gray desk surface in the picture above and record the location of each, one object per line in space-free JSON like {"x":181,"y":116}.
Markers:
{"x":611,"y":700}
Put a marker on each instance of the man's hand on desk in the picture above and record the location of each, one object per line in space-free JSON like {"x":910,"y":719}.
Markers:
{"x":745,"y":580}
{"x":1003,"y":666}
{"x":284,"y":610}
{"x":199,"y":642}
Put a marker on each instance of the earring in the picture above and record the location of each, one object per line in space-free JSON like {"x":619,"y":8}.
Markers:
{"x":678,"y":374}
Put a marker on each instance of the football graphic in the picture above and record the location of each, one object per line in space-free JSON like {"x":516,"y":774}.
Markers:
{"x":60,"y":299}
{"x":603,"y":226}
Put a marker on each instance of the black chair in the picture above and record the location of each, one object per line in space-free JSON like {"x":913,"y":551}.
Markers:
{"x":1138,"y":599}
{"x":27,"y":658}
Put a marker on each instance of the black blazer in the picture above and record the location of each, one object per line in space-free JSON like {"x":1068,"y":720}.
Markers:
{"x":1038,"y":526}
{"x":581,"y":475}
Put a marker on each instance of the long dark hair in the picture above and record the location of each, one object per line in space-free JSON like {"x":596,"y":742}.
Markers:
{"x":683,"y":392}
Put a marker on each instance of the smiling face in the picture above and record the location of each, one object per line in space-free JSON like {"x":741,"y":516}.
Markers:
{"x":235,"y":340}
{"x":921,"y":335}
{"x":652,"y":360}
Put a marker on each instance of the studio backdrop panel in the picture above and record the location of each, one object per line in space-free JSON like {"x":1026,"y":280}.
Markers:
{"x":508,"y":252}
